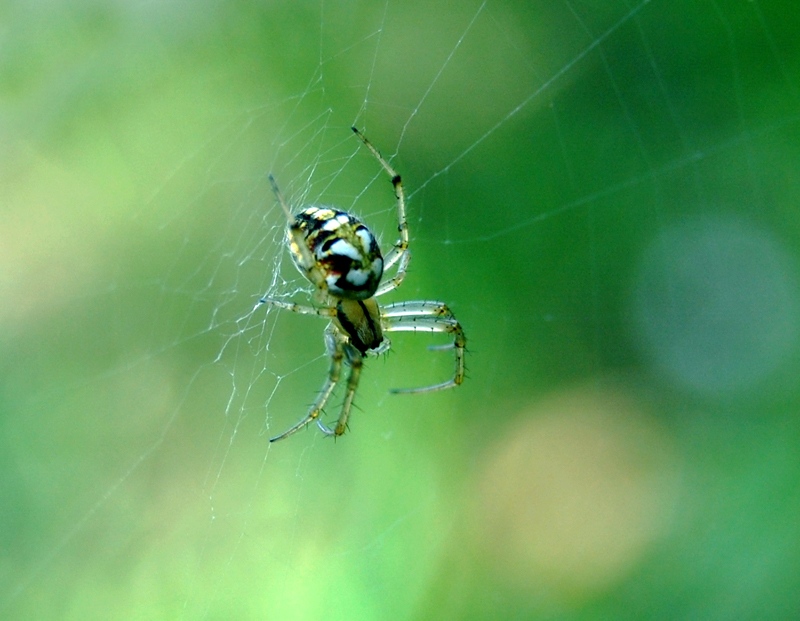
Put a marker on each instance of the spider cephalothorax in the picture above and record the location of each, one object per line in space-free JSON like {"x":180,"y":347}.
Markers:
{"x":341,"y":258}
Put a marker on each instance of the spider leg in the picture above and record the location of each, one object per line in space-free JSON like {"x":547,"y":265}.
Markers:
{"x":394,"y":282}
{"x":335,"y":346}
{"x":356,"y":362}
{"x":399,"y":251}
{"x":428,"y":316}
{"x":299,"y":308}
{"x":307,"y":264}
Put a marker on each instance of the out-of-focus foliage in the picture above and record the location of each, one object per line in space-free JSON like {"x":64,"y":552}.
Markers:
{"x":607,"y":196}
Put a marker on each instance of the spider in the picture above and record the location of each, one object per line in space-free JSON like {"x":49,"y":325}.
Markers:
{"x":340,"y":256}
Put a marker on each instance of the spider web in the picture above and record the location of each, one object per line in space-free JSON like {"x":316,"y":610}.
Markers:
{"x":604,"y":195}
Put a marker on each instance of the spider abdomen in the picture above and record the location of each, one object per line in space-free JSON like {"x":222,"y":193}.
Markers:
{"x":345,"y":250}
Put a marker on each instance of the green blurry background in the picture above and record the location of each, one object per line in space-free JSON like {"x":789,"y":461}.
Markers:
{"x":605,"y":193}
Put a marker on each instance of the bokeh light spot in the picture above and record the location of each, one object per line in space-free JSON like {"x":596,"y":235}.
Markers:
{"x":716,"y":305}
{"x":569,"y":501}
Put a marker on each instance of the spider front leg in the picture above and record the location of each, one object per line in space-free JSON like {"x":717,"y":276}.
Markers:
{"x":335,"y":346}
{"x":323,"y":311}
{"x":356,"y":361}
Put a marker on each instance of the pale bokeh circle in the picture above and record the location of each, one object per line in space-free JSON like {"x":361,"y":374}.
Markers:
{"x":571,"y":500}
{"x":715,"y":305}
